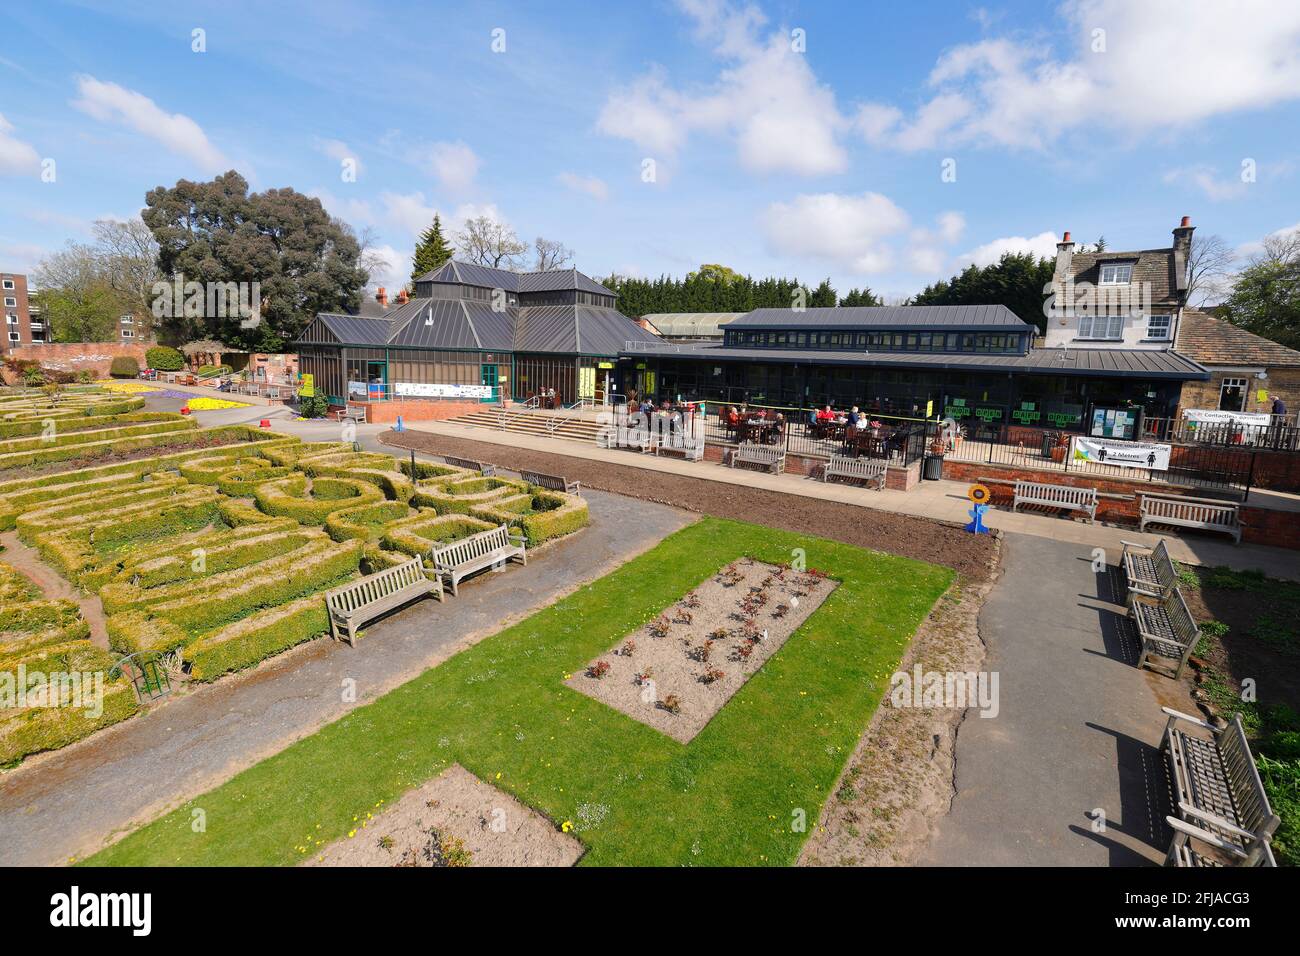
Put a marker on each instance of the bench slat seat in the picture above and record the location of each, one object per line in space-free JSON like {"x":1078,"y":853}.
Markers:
{"x":867,"y":469}
{"x":1056,"y":496}
{"x":1166,"y":628}
{"x":366,"y":599}
{"x":690,"y":447}
{"x":486,"y":470}
{"x":1149,"y":571}
{"x":1218,"y":792}
{"x":552,"y":482}
{"x":767,"y":456}
{"x":1200,"y":513}
{"x":486,"y":549}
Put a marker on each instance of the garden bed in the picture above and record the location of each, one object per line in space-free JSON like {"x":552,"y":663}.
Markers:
{"x":675,"y":673}
{"x":453,"y":820}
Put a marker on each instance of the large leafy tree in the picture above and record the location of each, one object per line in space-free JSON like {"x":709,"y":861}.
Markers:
{"x":1266,"y":297}
{"x":1017,"y":280}
{"x":217,"y":232}
{"x":431,"y":251}
{"x":83,"y":313}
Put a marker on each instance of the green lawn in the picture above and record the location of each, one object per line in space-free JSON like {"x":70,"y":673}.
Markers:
{"x":500,"y":710}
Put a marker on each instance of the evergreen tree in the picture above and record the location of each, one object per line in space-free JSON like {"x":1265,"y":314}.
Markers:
{"x":431,"y":251}
{"x":864,"y":297}
{"x":823,"y":297}
{"x":1017,"y":280}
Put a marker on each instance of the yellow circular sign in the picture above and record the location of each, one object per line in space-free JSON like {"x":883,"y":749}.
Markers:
{"x":979,"y":494}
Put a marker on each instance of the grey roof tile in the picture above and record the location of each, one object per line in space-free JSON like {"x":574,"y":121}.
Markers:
{"x":867,"y":317}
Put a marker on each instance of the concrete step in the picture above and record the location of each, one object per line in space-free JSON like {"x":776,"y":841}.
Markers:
{"x":533,"y":423}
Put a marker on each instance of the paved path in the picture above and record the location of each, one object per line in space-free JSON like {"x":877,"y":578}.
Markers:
{"x":945,"y":500}
{"x":72,"y":801}
{"x":1078,"y":726}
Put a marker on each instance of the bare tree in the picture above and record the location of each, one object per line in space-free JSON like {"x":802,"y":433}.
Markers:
{"x":550,"y":254}
{"x":490,"y":243}
{"x":128,"y":256}
{"x":1209,"y":270}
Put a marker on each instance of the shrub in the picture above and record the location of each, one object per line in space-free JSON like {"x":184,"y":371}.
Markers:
{"x":290,"y":497}
{"x":313,"y":406}
{"x":124,"y":366}
{"x":257,"y":637}
{"x":365,"y":522}
{"x":164,"y":359}
{"x":417,"y":534}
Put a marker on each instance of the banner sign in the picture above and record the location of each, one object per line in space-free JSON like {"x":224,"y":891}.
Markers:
{"x":356,"y":388}
{"x":307,"y":385}
{"x":422,"y":390}
{"x":1212,"y":416}
{"x":1127,"y":454}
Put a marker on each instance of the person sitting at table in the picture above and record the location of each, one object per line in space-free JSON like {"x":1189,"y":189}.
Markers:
{"x":814,"y":417}
{"x":853,"y":416}
{"x":733,"y":417}
{"x":860,"y":423}
{"x":826,"y":415}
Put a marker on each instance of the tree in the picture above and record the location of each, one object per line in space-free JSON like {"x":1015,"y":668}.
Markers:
{"x":1209,"y":270}
{"x":216,"y":233}
{"x":1266,"y":297}
{"x":1016,"y":280}
{"x":865,"y":297}
{"x":823,"y":297}
{"x":550,"y":254}
{"x":715,"y":273}
{"x":128,"y":256}
{"x":431,"y":251}
{"x":82,"y":313}
{"x":487,"y":242}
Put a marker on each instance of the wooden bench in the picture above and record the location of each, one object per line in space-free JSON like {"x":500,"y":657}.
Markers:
{"x":553,"y":482}
{"x":373,"y":595}
{"x":867,"y":469}
{"x":1056,"y":496}
{"x":486,"y":470}
{"x":768,"y":456}
{"x":350,"y":414}
{"x":690,"y":448}
{"x":1166,"y":628}
{"x":1150,"y":571}
{"x":1217,"y":794}
{"x":1203,"y":513}
{"x":483,"y":550}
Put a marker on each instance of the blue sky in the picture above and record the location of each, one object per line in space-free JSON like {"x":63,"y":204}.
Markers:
{"x":805,"y":139}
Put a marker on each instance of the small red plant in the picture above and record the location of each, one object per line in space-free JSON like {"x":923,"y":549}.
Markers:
{"x":672,"y":703}
{"x":629,"y":646}
{"x":598,"y":669}
{"x":660,"y":626}
{"x":718,"y":634}
{"x":711,"y":675}
{"x":701,"y":652}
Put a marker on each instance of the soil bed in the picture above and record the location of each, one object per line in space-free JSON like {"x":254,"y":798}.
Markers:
{"x":452,"y":815}
{"x":935,"y":542}
{"x":675,"y":673}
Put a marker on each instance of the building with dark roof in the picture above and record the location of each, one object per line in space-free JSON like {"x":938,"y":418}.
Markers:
{"x":971,"y":363}
{"x":475,"y":331}
{"x":1247,"y":371}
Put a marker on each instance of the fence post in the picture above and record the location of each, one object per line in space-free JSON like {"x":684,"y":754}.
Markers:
{"x":1250,"y":478}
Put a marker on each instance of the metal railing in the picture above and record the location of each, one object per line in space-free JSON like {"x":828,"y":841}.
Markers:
{"x":1228,"y":470}
{"x":1279,"y":435}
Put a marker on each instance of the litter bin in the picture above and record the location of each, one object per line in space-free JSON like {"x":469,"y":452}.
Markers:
{"x":933,"y":468}
{"x":1049,"y":442}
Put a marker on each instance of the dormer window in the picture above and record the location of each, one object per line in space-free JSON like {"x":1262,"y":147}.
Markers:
{"x":1118,"y":273}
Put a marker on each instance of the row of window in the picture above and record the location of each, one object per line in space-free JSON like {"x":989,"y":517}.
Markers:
{"x":1111,"y":327}
{"x":882,"y":341}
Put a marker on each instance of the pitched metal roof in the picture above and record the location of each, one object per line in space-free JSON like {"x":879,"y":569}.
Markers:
{"x":454,"y":272}
{"x":1118,"y":363}
{"x":354,"y":330}
{"x":967,"y":318}
{"x":1213,"y":341}
{"x":681,"y":324}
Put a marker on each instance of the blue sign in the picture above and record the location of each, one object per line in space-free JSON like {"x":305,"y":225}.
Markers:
{"x":977,"y":526}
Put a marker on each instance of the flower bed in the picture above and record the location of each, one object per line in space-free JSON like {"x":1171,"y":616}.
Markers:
{"x":676,"y":672}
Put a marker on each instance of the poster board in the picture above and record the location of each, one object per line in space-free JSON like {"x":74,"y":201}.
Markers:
{"x":1152,"y":456}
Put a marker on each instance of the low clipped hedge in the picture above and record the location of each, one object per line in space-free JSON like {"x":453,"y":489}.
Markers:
{"x":278,"y":581}
{"x":59,"y":439}
{"x":15,"y":587}
{"x":365,"y":522}
{"x":257,"y":637}
{"x":239,"y":482}
{"x":208,"y":470}
{"x":91,"y":507}
{"x":36,"y":425}
{"x":78,"y":630}
{"x":30,"y":616}
{"x":124,"y":366}
{"x":458,"y":497}
{"x":302,"y":451}
{"x":88,"y":451}
{"x":311,"y":503}
{"x":420,"y":533}
{"x":541,"y":515}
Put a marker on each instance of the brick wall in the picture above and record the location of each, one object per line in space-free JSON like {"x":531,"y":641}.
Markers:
{"x":1262,"y":525}
{"x":1280,"y":381}
{"x":79,"y":356}
{"x":416,"y":410}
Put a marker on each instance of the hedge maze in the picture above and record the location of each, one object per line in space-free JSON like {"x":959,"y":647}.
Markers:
{"x":211,"y":546}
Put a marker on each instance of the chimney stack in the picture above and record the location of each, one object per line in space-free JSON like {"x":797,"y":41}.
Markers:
{"x":382,"y":297}
{"x":402,"y":297}
{"x":1182,"y":252}
{"x":1064,"y":258}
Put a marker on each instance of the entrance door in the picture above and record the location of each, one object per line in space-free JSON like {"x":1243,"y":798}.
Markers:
{"x":377,"y":381}
{"x":488,"y":376}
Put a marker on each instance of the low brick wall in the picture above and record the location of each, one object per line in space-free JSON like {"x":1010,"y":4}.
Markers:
{"x":416,"y":410}
{"x":1262,"y":525}
{"x":79,"y":356}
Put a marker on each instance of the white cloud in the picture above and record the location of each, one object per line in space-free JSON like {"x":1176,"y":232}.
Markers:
{"x":455,"y":164}
{"x":17,"y":158}
{"x":1043,"y":244}
{"x":852,"y":231}
{"x":389,"y":268}
{"x":110,"y":103}
{"x":1165,"y":64}
{"x":340,"y":152}
{"x":593,"y":186}
{"x":1206,"y":180}
{"x":951,"y":226}
{"x":766,"y":97}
